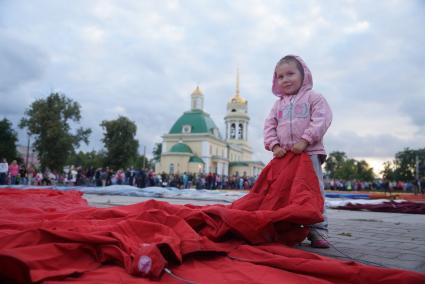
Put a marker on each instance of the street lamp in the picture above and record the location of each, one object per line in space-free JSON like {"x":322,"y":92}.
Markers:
{"x":28,"y":150}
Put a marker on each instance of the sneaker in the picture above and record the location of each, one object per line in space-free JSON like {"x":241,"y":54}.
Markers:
{"x":320,"y":243}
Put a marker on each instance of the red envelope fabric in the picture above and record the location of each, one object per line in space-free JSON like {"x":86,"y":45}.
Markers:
{"x":54,"y":236}
{"x":406,"y":207}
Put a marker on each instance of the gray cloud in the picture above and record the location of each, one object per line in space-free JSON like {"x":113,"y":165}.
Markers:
{"x":20,"y":63}
{"x":143,"y":59}
{"x":380,"y":146}
{"x":414,"y":107}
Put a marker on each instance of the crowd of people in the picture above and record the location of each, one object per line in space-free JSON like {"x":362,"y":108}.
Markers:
{"x":147,"y":177}
{"x":14,"y":174}
{"x":376,"y":185}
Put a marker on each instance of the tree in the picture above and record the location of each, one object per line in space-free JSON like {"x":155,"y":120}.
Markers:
{"x":8,"y":138}
{"x":157,"y":151}
{"x":364,"y":171}
{"x":49,"y":121}
{"x":334,"y":163}
{"x":86,"y":160}
{"x":140,"y":162}
{"x":120,"y":143}
{"x":405,"y":164}
{"x":388,"y":171}
{"x":338,"y":166}
{"x":347,"y":170}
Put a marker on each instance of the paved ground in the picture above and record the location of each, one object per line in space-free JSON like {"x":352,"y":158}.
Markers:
{"x":384,"y":239}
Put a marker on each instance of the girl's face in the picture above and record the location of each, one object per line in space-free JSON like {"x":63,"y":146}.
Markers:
{"x":288,"y":77}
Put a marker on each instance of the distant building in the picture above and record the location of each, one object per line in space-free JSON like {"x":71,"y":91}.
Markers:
{"x":194,"y":143}
{"x":32,"y":155}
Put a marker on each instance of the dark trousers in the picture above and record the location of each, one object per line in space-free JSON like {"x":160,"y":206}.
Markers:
{"x":2,"y":178}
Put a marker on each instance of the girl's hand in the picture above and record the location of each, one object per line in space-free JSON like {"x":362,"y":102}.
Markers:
{"x":299,"y":147}
{"x":278,"y":152}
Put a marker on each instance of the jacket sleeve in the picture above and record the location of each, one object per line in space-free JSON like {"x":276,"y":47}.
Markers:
{"x":320,"y":119}
{"x":270,"y":131}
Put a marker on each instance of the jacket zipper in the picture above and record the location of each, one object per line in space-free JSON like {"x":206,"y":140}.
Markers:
{"x":290,"y":118}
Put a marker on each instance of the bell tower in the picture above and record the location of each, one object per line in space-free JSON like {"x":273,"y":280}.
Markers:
{"x":237,"y":118}
{"x":197,"y":99}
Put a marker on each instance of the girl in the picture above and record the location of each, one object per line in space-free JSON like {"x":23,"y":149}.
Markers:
{"x":297,"y":122}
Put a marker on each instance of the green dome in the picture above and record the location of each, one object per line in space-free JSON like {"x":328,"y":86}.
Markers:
{"x":181,"y":148}
{"x":196,"y":159}
{"x":199,"y":121}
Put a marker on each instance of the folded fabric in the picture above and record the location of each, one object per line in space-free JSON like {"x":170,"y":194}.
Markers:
{"x":50,"y":236}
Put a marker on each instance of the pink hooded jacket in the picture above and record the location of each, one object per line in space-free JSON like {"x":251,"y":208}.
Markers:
{"x":304,"y":115}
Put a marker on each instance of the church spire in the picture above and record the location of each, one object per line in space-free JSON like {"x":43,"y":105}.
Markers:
{"x":237,"y":82}
{"x":237,"y":97}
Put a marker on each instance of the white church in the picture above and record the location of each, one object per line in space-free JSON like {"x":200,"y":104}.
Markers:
{"x":194,"y":143}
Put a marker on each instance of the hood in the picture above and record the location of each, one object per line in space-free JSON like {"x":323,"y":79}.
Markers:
{"x":306,"y":85}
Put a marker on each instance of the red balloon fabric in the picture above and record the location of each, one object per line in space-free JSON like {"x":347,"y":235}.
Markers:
{"x":406,"y":207}
{"x":53,"y":236}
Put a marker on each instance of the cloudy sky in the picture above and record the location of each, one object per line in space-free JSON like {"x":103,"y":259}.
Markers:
{"x":142,"y":59}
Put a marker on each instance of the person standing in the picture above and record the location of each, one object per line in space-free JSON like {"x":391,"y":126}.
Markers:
{"x":30,"y":174}
{"x":22,"y":175}
{"x":13,"y":171}
{"x":4,"y":169}
{"x":297,"y":122}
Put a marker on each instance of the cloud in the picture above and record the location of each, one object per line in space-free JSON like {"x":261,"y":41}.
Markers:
{"x":93,"y":34}
{"x":143,"y":59}
{"x":358,"y":27}
{"x":382,"y":145}
{"x":21,"y":62}
{"x":414,"y":107}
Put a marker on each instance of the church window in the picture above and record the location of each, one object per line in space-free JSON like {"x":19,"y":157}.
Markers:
{"x":171,"y":169}
{"x":186,"y":128}
{"x":216,"y":133}
{"x":232,"y":131}
{"x":240,"y":131}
